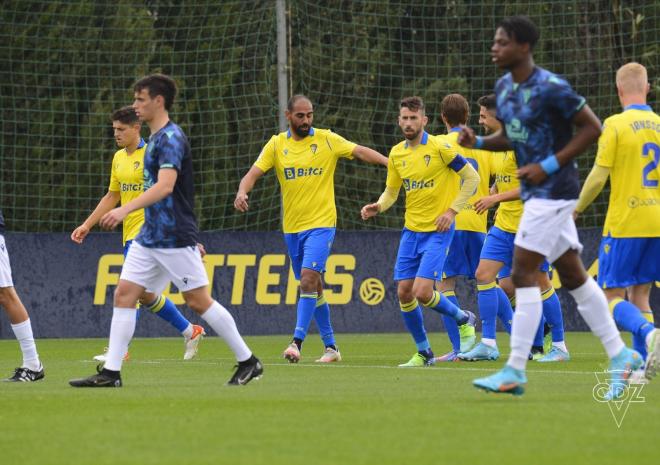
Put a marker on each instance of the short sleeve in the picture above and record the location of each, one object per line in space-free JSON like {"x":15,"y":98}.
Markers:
{"x":393,"y":177}
{"x":607,"y":146}
{"x":171,"y":149}
{"x":449,"y":154}
{"x":341,"y":147}
{"x":266,"y":159}
{"x":563,"y":98}
{"x":114,"y":180}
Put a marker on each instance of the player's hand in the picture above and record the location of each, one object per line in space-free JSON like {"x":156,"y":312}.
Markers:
{"x":575,"y":215}
{"x":111,"y":219}
{"x":482,"y":205}
{"x":466,"y":137}
{"x":241,"y":202}
{"x":79,"y":234}
{"x":202,"y":250}
{"x":532,"y":174}
{"x":444,"y":221}
{"x":369,"y":211}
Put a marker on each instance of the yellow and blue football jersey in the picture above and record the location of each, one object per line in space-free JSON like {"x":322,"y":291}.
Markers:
{"x":630,"y":147}
{"x":505,"y":169}
{"x":305,"y":170}
{"x":427,"y":174}
{"x":127,"y":178}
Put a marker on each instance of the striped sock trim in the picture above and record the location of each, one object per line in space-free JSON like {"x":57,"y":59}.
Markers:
{"x":157,"y":304}
{"x":512,"y":301}
{"x":545,"y":295}
{"x":648,"y":315}
{"x":485,"y":287}
{"x":409,"y":307}
{"x":309,"y":295}
{"x":435,"y":300}
{"x":321,"y":300}
{"x":614,"y":302}
{"x":449,"y":293}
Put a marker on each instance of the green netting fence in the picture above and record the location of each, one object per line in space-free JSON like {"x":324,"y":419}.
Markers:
{"x":67,"y":64}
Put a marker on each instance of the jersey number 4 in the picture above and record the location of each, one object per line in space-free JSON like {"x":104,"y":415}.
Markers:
{"x":652,"y":151}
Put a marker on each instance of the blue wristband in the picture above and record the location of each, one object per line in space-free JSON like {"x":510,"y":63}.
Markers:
{"x":550,"y":165}
{"x":479,"y":142}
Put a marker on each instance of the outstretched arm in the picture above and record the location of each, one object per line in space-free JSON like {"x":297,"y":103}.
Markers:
{"x":107,"y":203}
{"x":369,"y":155}
{"x":487,"y":202}
{"x":245,"y":187}
{"x":497,"y":142}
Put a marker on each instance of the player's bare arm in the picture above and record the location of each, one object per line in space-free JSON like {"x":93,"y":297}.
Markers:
{"x":588,"y":130}
{"x":497,"y":142}
{"x":160,"y":190}
{"x":245,"y":187}
{"x":107,"y":203}
{"x":370,"y":210}
{"x":488,"y":202}
{"x":369,"y":155}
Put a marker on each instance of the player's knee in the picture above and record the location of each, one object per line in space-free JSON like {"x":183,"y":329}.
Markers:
{"x":309,"y":281}
{"x":573,"y":278}
{"x":7,"y":296}
{"x":405,"y":294}
{"x":484,"y":275}
{"x":423,"y":292}
{"x":522,"y":278}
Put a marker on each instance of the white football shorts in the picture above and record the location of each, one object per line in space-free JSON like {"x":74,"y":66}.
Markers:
{"x":154,"y":268}
{"x":547,"y":227}
{"x":5,"y":267}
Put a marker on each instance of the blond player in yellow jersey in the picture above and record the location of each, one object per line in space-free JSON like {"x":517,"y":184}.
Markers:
{"x":126,"y":184}
{"x":304,"y":159}
{"x":629,"y":255}
{"x":496,"y":298}
{"x":424,"y":166}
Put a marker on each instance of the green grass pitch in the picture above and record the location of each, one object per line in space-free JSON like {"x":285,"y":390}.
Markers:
{"x":362,"y":411}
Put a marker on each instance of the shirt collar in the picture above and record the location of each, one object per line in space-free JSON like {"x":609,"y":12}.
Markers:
{"x":456,"y":129}
{"x":638,"y":106}
{"x":425,"y":139}
{"x":288,"y":132}
{"x":141,"y":144}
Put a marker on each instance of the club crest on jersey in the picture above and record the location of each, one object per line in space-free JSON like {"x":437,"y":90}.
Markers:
{"x":607,"y":248}
{"x":314,"y":148}
{"x":286,"y":151}
{"x":427,"y":159}
{"x":136,"y":165}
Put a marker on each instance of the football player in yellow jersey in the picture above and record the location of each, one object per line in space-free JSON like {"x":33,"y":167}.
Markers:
{"x":629,"y":256}
{"x":304,"y":159}
{"x":470,"y":233}
{"x":424,"y":165}
{"x":126,"y":182}
{"x":497,"y":255}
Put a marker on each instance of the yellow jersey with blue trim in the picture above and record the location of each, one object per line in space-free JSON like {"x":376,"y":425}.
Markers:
{"x":305,"y":170}
{"x":468,"y":219}
{"x":630,"y":147}
{"x":427,"y":174}
{"x":505,"y":170}
{"x":127,"y":178}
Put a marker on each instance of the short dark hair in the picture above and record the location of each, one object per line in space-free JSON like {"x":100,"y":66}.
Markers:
{"x":489,"y":101}
{"x":158,"y":84}
{"x":292,"y":101}
{"x":125,"y":115}
{"x":521,"y":29}
{"x":455,"y":109}
{"x":413,"y":103}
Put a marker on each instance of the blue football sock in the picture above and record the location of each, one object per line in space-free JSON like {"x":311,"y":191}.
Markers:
{"x":504,"y":310}
{"x":446,"y":306}
{"x":488,"y":301}
{"x":322,"y":317}
{"x":450,"y":323}
{"x":305,"y":313}
{"x":411,"y":313}
{"x":165,"y":308}
{"x":630,"y":318}
{"x":538,"y":338}
{"x":552,"y":314}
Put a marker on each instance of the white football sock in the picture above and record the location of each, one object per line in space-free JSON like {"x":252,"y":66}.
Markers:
{"x":526,"y":319}
{"x":188,"y":332}
{"x":649,"y":339}
{"x":489,"y":342}
{"x":121,"y":333}
{"x":592,"y":305}
{"x":23,"y":333}
{"x":560,"y":345}
{"x":223,"y":323}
